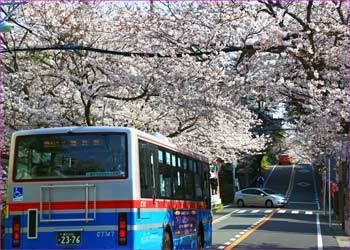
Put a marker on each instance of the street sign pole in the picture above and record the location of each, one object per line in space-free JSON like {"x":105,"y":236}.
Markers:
{"x":234,"y":164}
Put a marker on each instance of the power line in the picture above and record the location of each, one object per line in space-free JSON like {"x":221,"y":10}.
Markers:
{"x":140,"y":54}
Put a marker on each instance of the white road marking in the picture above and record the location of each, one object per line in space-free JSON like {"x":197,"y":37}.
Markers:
{"x":237,"y":236}
{"x":282,"y":211}
{"x":319,"y":235}
{"x":224,"y":217}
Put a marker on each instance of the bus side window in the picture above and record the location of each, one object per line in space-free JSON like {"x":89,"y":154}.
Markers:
{"x":167,"y":158}
{"x":165,"y":180}
{"x":160,"y":156}
{"x":197,"y":181}
{"x":146,"y":175}
{"x":188,"y":182}
{"x":177,"y":177}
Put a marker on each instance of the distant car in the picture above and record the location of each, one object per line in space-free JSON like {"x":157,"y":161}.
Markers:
{"x":259,"y":197}
{"x":285,"y":159}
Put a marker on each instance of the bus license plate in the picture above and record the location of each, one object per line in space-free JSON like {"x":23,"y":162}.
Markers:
{"x":68,"y":238}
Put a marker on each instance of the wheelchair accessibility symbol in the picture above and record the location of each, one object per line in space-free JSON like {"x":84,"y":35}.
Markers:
{"x":18,"y":194}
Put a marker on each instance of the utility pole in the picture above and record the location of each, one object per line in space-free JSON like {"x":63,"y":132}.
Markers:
{"x":329,"y":191}
{"x":234,"y":165}
{"x":341,"y":194}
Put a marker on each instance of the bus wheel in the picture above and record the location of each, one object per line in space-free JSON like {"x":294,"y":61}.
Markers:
{"x":167,"y":241}
{"x":200,"y":240}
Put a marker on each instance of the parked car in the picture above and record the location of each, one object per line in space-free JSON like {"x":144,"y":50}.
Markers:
{"x":285,"y":159}
{"x":259,"y":197}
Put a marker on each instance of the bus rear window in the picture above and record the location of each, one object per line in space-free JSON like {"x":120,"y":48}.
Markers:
{"x":78,"y":156}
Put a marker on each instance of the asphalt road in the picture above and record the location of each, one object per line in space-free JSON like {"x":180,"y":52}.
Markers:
{"x":299,"y":225}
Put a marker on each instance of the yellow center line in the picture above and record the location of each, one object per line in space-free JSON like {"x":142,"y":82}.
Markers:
{"x":266,"y":219}
{"x":244,"y":236}
{"x":290,"y":181}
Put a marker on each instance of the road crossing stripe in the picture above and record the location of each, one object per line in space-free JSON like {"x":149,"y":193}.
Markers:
{"x":224,"y":217}
{"x":245,"y":235}
{"x":282,"y":211}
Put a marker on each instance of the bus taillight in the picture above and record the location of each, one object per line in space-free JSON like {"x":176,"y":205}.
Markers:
{"x":122,"y":229}
{"x":16,"y":231}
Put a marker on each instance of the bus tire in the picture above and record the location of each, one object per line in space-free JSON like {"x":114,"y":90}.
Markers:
{"x":200,"y":238}
{"x":167,"y":244}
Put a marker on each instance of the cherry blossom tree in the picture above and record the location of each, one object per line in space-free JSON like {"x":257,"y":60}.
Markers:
{"x":180,"y":69}
{"x":184,"y":97}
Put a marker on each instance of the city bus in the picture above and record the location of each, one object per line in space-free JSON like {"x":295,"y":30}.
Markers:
{"x":105,"y":188}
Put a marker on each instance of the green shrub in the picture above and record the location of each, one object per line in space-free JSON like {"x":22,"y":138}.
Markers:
{"x":265,"y":162}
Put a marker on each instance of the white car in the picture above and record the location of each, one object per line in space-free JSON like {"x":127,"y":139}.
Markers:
{"x":259,"y":197}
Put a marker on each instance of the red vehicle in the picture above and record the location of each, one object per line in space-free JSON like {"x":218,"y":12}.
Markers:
{"x":285,"y":159}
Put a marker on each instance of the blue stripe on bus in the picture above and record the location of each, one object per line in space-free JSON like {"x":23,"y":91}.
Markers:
{"x":143,"y":238}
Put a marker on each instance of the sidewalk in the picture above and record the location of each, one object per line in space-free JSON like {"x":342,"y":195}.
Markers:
{"x":338,"y":233}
